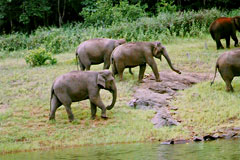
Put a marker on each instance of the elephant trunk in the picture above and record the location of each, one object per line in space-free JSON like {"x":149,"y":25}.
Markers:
{"x":114,"y":95}
{"x":165,"y":54}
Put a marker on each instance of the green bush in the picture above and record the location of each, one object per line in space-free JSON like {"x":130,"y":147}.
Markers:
{"x":38,"y":57}
{"x":104,"y":13}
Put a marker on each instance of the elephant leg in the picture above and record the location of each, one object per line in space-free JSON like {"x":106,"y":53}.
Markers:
{"x":106,"y":62}
{"x":86,"y":63}
{"x":234,"y":37}
{"x":120,"y":70}
{"x":153,"y":65}
{"x":228,"y":42}
{"x":81,"y":65}
{"x":229,"y":87}
{"x":96,"y":100}
{"x":141,"y":72}
{"x":219,"y":44}
{"x":66,"y":101}
{"x":55,"y":103}
{"x":69,"y":112}
{"x":227,"y":76}
{"x":93,"y":110}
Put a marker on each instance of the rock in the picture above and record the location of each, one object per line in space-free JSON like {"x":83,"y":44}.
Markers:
{"x":236,"y":128}
{"x":229,"y":135}
{"x":197,"y":139}
{"x":209,"y":138}
{"x":163,"y":118}
{"x":156,"y":95}
{"x":181,"y":141}
{"x":168,"y":142}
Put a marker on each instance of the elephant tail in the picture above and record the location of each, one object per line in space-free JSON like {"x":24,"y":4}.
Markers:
{"x":114,"y":68}
{"x":52,"y":92}
{"x":77,"y":61}
{"x":216,"y":67}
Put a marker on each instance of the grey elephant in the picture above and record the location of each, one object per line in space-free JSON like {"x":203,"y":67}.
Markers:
{"x":135,"y":54}
{"x":77,"y":86}
{"x":96,"y":51}
{"x":228,"y":65}
{"x":224,"y":28}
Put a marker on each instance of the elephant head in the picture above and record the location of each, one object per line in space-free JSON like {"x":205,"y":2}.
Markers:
{"x":159,"y":50}
{"x":119,"y":42}
{"x":237,"y":22}
{"x":106,"y":81}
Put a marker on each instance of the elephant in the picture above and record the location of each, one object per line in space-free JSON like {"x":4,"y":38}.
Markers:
{"x":228,"y":65}
{"x":96,"y":51}
{"x":223,"y":28}
{"x":76,"y":86}
{"x":134,"y":54}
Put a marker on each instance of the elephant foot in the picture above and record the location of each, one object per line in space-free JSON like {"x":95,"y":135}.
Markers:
{"x":236,"y":45}
{"x":93,"y":117}
{"x":104,"y":117}
{"x":141,"y":81}
{"x":71,"y":119}
{"x":158,"y":80}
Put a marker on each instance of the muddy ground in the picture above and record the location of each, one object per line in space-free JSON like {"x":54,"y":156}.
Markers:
{"x":157,"y":95}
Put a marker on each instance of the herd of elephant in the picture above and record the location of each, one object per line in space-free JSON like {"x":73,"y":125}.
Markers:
{"x":80,"y":85}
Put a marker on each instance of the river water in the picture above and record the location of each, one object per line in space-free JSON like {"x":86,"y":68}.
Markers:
{"x":215,"y":150}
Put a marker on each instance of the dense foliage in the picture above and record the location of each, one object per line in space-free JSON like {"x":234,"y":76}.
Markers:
{"x":163,"y":27}
{"x":26,"y":16}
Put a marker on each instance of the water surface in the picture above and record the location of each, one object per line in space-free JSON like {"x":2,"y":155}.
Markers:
{"x":215,"y":150}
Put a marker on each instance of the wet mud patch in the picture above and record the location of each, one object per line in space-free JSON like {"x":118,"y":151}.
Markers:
{"x":157,"y":95}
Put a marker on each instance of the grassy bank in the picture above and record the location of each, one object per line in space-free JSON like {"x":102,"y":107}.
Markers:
{"x":25,"y":92}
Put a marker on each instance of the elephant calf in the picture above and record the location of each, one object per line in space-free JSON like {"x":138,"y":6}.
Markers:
{"x":228,"y":65}
{"x":96,"y":51}
{"x":77,"y":86}
{"x":135,"y":54}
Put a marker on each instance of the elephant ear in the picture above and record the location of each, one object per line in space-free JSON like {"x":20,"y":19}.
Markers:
{"x":101,"y":79}
{"x":156,"y":48}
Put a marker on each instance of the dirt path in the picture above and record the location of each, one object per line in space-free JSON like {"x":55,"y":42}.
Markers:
{"x":156,"y":95}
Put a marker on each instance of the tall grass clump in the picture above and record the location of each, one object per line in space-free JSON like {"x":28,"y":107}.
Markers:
{"x":163,"y":27}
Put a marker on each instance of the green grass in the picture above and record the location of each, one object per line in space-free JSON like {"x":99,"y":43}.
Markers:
{"x":25,"y":93}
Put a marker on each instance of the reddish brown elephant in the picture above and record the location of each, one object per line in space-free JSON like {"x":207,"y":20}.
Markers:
{"x":224,"y":28}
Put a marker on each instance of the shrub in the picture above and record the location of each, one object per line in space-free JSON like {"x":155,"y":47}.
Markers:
{"x":38,"y":57}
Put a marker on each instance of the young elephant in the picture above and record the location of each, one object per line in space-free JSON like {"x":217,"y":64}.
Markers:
{"x":138,"y":54}
{"x":77,"y":86}
{"x":228,"y":65}
{"x":96,"y":51}
{"x":223,"y":28}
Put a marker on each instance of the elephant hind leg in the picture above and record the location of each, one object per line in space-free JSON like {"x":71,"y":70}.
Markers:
{"x":227,"y":76}
{"x":55,"y":103}
{"x":66,"y":101}
{"x":120,"y":69}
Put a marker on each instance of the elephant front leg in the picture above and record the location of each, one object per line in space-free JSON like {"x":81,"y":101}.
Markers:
{"x":234,"y":37}
{"x":93,"y":110}
{"x":98,"y":102}
{"x":153,"y":65}
{"x":141,"y":73}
